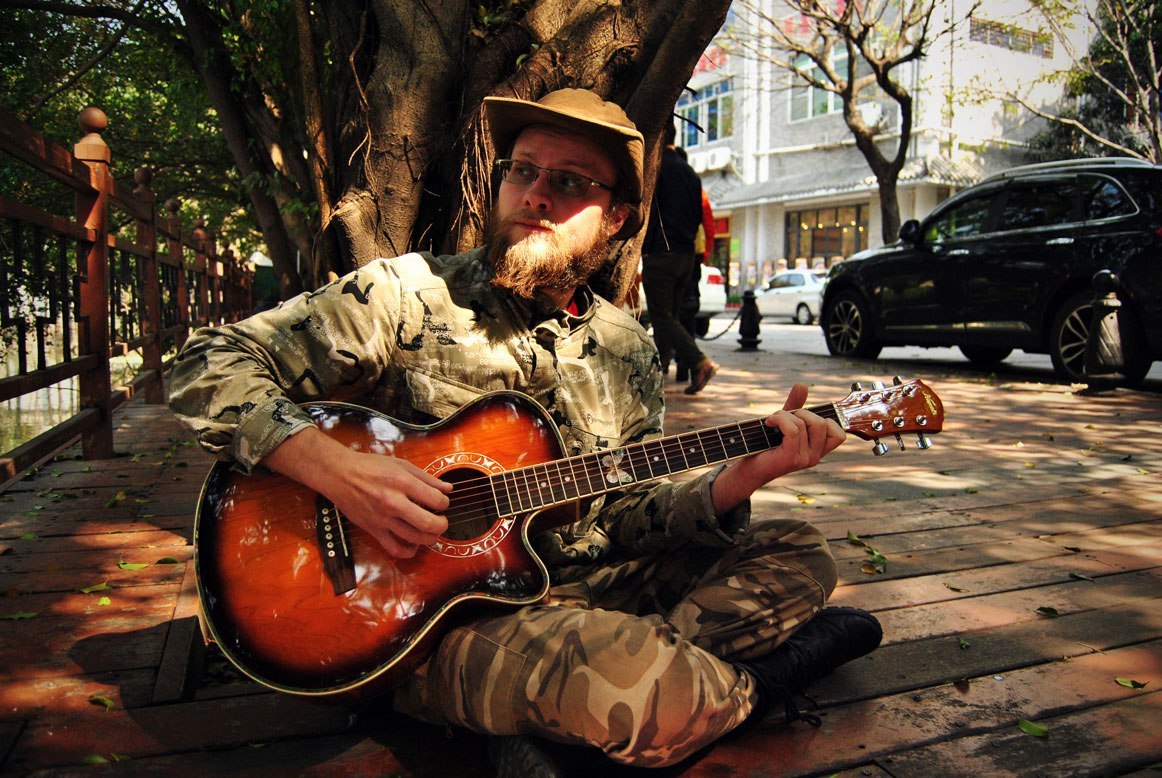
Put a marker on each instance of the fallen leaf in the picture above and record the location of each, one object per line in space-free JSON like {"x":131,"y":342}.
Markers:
{"x":964,"y":644}
{"x":166,"y":560}
{"x":1045,"y":610}
{"x":98,"y":700}
{"x":131,"y":565}
{"x":104,"y":601}
{"x":1081,"y":577}
{"x":805,"y":499}
{"x":116,"y":499}
{"x":1031,"y":728}
{"x":1129,"y":683}
{"x":954,"y":588}
{"x":18,"y":615}
{"x":101,"y":587}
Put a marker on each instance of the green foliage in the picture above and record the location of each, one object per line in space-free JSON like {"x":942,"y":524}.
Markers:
{"x":52,"y":67}
{"x":1131,"y":29}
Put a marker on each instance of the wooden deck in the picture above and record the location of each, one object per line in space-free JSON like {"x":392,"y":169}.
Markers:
{"x":1023,"y":570}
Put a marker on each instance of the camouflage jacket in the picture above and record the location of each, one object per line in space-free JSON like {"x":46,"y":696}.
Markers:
{"x":417,"y":337}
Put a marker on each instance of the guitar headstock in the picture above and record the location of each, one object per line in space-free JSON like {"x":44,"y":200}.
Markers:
{"x":881,"y":410}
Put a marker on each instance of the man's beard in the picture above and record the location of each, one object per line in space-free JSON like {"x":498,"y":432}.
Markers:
{"x":552,"y":261}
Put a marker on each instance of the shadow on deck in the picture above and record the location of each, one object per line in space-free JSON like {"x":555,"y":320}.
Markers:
{"x":1022,"y":582}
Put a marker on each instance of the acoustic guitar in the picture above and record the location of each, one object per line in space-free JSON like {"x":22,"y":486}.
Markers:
{"x":305,"y":602}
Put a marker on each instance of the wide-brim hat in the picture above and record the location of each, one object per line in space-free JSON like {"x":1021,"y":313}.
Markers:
{"x":582,"y":112}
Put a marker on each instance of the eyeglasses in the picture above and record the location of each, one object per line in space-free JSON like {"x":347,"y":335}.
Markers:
{"x":565,"y":183}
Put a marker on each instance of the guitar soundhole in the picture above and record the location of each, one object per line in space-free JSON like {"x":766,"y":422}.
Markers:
{"x":472,"y":512}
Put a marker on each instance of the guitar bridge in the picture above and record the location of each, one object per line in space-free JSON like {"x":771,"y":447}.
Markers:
{"x":338,"y":563}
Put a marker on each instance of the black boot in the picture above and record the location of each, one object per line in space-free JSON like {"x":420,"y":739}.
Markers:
{"x":523,"y":756}
{"x":833,"y":637}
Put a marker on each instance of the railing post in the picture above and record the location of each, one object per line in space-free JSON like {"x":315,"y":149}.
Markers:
{"x":147,"y":239}
{"x":93,"y":213}
{"x":177,"y":252}
{"x":202,"y":268}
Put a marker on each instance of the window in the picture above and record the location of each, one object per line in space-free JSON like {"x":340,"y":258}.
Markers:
{"x":826,"y":232}
{"x":962,"y":220}
{"x":711,"y":109}
{"x":1104,"y":199}
{"x":1038,"y":204}
{"x":787,"y":280}
{"x":1012,"y":37}
{"x":809,"y":101}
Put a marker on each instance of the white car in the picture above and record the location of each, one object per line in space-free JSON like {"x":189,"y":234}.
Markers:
{"x":711,"y":299}
{"x":793,"y":294}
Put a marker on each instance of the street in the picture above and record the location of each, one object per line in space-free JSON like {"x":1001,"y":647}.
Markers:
{"x":779,"y":337}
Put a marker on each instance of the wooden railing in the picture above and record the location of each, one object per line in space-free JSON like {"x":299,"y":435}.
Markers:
{"x":76,"y":295}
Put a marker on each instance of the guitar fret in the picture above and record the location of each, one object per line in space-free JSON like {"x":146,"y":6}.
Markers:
{"x":639,"y":462}
{"x":568,"y":483}
{"x":719,"y":448}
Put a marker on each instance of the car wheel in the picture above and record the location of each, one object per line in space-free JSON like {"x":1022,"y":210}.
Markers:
{"x":1069,"y":335}
{"x":803,"y":314}
{"x":985,"y":356}
{"x":848,"y":328}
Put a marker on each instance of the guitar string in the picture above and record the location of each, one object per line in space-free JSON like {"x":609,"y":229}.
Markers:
{"x":478,"y":493}
{"x":593,"y":470}
{"x":475,"y":500}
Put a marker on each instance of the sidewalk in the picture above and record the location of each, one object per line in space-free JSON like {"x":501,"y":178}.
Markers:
{"x":1021,"y":571}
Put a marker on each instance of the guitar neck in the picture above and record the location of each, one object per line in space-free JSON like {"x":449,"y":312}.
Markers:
{"x":568,"y":480}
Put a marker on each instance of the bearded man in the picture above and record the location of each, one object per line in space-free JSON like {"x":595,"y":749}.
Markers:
{"x":671,"y":618}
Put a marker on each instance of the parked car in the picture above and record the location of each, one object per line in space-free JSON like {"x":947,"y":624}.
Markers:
{"x":711,"y":293}
{"x":1009,"y":264}
{"x":791,"y":293}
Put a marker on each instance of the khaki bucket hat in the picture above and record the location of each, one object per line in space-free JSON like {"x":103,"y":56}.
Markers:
{"x":585,"y":113}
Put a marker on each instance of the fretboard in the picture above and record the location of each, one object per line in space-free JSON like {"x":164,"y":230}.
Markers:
{"x":567,"y":480}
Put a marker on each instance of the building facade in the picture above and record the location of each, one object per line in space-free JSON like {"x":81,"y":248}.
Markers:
{"x":780,"y":166}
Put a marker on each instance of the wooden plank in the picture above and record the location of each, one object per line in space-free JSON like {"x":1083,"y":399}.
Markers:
{"x":45,"y":579}
{"x":400,"y":750}
{"x":1109,"y":740}
{"x":982,"y":555}
{"x":73,"y":634}
{"x":968,"y":617}
{"x":68,"y":738}
{"x":876,"y":593}
{"x":49,"y":697}
{"x":181,"y":660}
{"x":913,"y":665}
{"x":854,"y":733}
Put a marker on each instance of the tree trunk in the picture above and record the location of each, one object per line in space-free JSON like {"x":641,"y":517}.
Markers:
{"x":423,"y":180}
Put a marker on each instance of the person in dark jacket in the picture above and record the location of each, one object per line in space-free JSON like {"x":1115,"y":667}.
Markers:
{"x":668,"y":260}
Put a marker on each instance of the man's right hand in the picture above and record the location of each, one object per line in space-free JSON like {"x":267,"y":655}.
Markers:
{"x":394,"y":501}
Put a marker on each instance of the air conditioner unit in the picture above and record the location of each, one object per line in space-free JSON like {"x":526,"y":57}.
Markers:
{"x":699,"y":161}
{"x":718,"y":158}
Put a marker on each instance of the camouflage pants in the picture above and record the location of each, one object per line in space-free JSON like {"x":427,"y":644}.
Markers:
{"x":636,"y":658}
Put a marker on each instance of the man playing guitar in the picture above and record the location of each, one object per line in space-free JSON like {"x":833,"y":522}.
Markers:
{"x":672,"y":618}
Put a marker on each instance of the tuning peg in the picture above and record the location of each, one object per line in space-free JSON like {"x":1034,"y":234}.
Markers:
{"x":877,"y":384}
{"x":923,"y":441}
{"x":897,"y":381}
{"x":900,"y":441}
{"x":879,"y":449}
{"x":856,"y":386}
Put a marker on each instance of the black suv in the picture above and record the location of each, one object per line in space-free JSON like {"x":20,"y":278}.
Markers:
{"x":1009,"y":264}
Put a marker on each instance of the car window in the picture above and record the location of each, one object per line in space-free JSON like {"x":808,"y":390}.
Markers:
{"x":1038,"y":204}
{"x":785,"y":280}
{"x":1104,"y":198}
{"x":962,"y":220}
